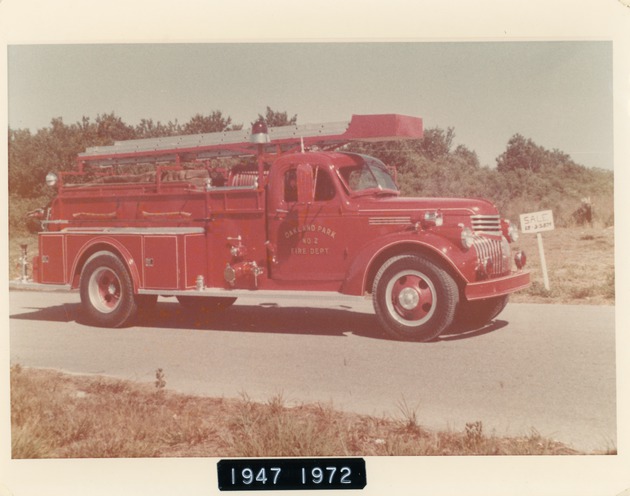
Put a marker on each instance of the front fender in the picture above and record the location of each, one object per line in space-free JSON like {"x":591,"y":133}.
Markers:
{"x":374,"y":254}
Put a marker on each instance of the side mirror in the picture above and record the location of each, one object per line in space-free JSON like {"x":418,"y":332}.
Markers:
{"x":305,"y":183}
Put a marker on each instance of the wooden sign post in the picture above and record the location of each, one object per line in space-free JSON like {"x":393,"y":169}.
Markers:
{"x":538,"y":222}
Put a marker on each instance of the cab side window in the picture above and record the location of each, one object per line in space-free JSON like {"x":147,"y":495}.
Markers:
{"x":324,"y":186}
{"x":290,"y":186}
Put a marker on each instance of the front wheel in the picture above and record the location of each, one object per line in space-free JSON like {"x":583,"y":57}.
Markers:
{"x":414,"y":298}
{"x":107,"y":292}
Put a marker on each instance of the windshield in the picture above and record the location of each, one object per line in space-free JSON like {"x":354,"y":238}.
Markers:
{"x":368,"y":173}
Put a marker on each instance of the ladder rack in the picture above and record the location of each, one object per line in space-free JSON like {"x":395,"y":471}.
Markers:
{"x":237,"y":143}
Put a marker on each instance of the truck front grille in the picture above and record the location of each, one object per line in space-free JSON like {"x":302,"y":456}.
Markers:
{"x":486,"y":224}
{"x":488,"y":248}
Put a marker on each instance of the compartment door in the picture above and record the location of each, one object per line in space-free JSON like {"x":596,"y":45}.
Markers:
{"x":160,"y":263}
{"x":52,"y":259}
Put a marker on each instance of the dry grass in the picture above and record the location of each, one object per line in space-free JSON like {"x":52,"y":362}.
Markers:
{"x":580,"y":265}
{"x":54,"y":415}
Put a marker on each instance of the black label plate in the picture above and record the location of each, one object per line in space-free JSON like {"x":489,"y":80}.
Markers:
{"x":275,"y":474}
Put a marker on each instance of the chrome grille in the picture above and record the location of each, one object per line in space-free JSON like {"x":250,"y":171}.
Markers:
{"x":486,"y":224}
{"x":488,"y":248}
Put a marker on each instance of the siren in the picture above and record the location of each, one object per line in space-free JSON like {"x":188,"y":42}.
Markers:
{"x":260,"y":133}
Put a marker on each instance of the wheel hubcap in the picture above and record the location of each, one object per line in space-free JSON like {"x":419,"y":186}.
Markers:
{"x":411,"y":298}
{"x":105,"y":290}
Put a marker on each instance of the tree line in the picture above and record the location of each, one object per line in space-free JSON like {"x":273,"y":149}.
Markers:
{"x":527,"y":176}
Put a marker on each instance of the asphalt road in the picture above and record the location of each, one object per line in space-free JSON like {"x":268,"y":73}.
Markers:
{"x":549,"y":368}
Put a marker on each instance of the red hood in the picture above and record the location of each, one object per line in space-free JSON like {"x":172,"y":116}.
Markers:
{"x":448,"y":206}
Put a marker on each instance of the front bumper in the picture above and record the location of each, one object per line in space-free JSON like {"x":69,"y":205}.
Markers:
{"x":497,"y":287}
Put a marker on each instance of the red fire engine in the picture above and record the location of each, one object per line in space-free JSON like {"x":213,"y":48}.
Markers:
{"x":290,"y":212}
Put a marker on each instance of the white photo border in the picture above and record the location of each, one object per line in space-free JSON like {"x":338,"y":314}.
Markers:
{"x":67,"y":21}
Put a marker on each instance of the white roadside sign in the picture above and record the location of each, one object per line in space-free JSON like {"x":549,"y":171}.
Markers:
{"x":537,"y":222}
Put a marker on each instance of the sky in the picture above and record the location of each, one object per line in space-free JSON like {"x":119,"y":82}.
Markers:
{"x":558,"y":93}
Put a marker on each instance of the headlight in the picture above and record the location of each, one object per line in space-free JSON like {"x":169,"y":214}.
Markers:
{"x":51,"y":179}
{"x":468,"y":238}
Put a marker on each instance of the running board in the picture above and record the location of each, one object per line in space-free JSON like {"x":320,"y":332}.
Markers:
{"x":257,"y":294}
{"x":272,"y":294}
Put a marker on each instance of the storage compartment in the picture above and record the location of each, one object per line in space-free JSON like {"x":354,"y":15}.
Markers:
{"x":52,"y":260}
{"x":161,"y":262}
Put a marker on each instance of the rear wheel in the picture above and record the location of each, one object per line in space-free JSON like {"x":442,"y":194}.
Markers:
{"x":414,"y":298}
{"x":107,"y":292}
{"x":211,"y":303}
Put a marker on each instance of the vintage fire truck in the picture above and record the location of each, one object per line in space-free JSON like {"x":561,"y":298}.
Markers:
{"x":291,"y":212}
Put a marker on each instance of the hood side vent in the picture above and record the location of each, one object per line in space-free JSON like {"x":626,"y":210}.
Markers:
{"x":486,"y":224}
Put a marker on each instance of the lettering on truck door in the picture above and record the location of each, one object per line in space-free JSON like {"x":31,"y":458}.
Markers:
{"x":309,"y":236}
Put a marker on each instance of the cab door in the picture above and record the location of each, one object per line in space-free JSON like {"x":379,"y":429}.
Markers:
{"x":305,"y":221}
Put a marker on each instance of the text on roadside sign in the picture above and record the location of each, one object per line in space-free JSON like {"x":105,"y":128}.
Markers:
{"x":537,"y":222}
